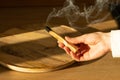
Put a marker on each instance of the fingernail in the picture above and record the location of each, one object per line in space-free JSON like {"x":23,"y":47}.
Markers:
{"x":67,"y":37}
{"x":58,"y":41}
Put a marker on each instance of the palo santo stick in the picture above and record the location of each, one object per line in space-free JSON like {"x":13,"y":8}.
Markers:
{"x":59,"y":38}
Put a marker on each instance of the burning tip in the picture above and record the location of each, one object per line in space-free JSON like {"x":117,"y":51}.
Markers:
{"x":48,"y":29}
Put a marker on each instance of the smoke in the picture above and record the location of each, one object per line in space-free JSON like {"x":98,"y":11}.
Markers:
{"x":70,"y":11}
{"x":73,"y":14}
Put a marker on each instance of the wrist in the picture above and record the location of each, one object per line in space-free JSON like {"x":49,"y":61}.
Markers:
{"x":106,"y":38}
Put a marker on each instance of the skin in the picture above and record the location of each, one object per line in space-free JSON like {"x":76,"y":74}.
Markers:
{"x":93,"y":45}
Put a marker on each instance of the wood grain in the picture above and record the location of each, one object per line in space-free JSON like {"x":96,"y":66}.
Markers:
{"x":34,"y":51}
{"x":14,"y":20}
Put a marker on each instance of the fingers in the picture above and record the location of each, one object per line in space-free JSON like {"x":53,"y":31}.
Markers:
{"x":68,"y":51}
{"x":79,"y":56}
{"x":75,"y":40}
{"x":75,"y":56}
{"x":61,"y":45}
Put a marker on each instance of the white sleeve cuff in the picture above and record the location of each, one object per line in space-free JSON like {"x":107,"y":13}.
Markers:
{"x":115,"y":43}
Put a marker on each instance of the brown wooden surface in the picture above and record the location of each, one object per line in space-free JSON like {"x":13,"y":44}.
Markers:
{"x":106,"y":68}
{"x":34,"y":51}
{"x":36,"y":3}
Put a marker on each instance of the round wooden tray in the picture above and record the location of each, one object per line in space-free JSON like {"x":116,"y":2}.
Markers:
{"x":34,"y":51}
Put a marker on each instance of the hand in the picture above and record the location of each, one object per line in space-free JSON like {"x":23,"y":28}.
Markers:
{"x":91,"y":46}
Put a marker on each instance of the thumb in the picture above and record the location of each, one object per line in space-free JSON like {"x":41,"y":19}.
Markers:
{"x":74,"y":40}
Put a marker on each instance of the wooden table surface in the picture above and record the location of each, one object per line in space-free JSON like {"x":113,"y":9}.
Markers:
{"x":106,"y":68}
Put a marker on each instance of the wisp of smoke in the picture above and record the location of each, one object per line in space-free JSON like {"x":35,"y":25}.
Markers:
{"x":91,"y":14}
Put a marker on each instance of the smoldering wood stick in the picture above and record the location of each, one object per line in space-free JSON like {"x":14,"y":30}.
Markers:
{"x":59,"y":38}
